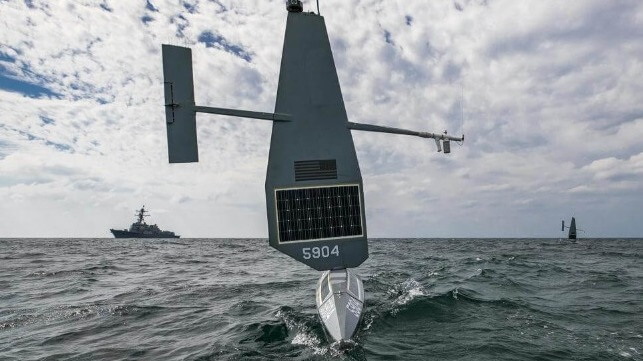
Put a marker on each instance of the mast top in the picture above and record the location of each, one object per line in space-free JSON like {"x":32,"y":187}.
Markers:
{"x":294,"y":6}
{"x":140,"y":215}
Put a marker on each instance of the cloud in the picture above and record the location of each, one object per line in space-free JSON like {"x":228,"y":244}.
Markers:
{"x":551,"y":94}
{"x":211,"y":40}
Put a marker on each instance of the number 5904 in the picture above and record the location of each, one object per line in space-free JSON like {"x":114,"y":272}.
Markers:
{"x":320,"y":252}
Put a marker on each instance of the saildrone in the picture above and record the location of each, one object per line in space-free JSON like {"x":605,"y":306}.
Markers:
{"x":314,"y":190}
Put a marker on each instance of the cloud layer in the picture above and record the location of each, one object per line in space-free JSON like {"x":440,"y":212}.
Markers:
{"x":553,"y":111}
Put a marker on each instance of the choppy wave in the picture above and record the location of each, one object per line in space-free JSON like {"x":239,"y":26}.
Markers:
{"x":239,"y":300}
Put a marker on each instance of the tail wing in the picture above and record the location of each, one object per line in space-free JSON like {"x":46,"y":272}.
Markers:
{"x":180,"y":112}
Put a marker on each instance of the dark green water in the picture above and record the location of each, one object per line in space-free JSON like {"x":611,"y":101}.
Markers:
{"x":206,"y":299}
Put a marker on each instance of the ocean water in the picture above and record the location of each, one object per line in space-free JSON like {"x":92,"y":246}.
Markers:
{"x":238,"y":299}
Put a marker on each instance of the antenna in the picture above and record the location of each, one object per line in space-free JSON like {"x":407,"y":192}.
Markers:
{"x":462,"y":107}
{"x":318,"y":13}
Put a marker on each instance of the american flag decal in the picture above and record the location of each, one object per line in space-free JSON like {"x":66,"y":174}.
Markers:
{"x":306,"y":170}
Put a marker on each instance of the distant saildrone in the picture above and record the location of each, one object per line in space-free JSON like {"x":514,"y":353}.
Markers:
{"x":314,"y":190}
{"x":572,"y":229}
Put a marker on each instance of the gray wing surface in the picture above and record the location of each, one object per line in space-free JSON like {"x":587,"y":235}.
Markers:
{"x":180,"y":115}
{"x":314,"y":193}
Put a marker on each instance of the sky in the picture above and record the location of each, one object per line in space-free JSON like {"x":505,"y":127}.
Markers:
{"x":549,"y":95}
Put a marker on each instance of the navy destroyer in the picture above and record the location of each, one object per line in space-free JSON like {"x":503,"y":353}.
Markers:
{"x":140,"y":229}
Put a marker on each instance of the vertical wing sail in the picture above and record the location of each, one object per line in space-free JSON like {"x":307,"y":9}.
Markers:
{"x":180,"y":115}
{"x":314,"y":193}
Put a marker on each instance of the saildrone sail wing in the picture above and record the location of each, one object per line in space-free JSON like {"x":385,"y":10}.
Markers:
{"x":314,"y":193}
{"x":572,"y":228}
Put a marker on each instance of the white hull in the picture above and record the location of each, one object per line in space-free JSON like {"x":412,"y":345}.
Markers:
{"x":340,"y":302}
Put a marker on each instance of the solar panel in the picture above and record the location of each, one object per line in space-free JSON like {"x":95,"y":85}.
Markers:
{"x":318,"y":213}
